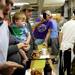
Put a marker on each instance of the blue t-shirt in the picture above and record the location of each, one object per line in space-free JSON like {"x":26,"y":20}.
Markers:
{"x":41,"y":31}
{"x":54,"y":31}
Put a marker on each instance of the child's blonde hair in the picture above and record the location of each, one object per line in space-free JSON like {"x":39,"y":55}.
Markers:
{"x":19,"y":16}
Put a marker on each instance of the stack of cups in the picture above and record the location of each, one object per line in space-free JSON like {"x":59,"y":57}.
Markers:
{"x":44,"y":51}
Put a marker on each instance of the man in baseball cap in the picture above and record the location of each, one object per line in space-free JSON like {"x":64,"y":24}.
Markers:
{"x":27,"y":10}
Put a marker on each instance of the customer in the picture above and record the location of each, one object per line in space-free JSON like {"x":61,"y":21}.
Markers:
{"x":27,"y":9}
{"x":4,"y":42}
{"x":73,"y":54}
{"x":53,"y":35}
{"x":16,"y":56}
{"x":62,"y":21}
{"x":19,"y":28}
{"x":67,"y":40}
{"x":20,"y":32}
{"x":42,"y":30}
{"x":4,"y":37}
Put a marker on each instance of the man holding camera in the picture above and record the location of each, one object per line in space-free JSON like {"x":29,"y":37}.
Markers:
{"x":42,"y":29}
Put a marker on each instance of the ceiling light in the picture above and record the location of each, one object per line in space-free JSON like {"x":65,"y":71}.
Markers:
{"x":20,"y":4}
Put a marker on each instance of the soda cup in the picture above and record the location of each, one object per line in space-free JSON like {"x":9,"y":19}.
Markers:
{"x":44,"y":50}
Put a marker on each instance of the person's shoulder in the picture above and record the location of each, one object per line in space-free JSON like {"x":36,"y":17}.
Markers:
{"x":71,"y":20}
{"x":68,"y":23}
{"x":5,"y":23}
{"x":50,"y":22}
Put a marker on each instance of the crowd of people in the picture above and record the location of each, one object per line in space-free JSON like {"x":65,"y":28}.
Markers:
{"x":18,"y":41}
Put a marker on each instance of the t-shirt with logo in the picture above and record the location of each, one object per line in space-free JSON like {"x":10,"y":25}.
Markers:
{"x":41,"y":31}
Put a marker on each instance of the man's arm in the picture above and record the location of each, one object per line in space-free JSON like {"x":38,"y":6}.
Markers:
{"x":47,"y":36}
{"x":12,"y":49}
{"x":15,"y":48}
{"x":9,"y":67}
{"x":61,"y":34}
{"x":28,"y":39}
{"x":1,"y":66}
{"x":60,"y":37}
{"x":49,"y":31}
{"x":39,"y":23}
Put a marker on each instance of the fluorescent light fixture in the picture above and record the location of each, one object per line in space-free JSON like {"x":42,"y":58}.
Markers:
{"x":53,"y":14}
{"x":49,"y":3}
{"x":20,"y":4}
{"x":13,"y":13}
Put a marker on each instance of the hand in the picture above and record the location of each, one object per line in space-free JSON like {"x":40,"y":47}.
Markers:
{"x":24,"y":61}
{"x":9,"y":67}
{"x":45,"y":43}
{"x":10,"y":64}
{"x":43,"y":20}
{"x":35,"y":54}
{"x":20,"y":45}
{"x":26,"y":42}
{"x":26,"y":47}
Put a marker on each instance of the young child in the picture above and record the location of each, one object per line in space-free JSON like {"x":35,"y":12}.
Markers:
{"x":20,"y":31}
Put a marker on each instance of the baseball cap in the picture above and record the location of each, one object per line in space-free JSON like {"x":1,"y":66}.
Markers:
{"x":26,"y":7}
{"x":48,"y":12}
